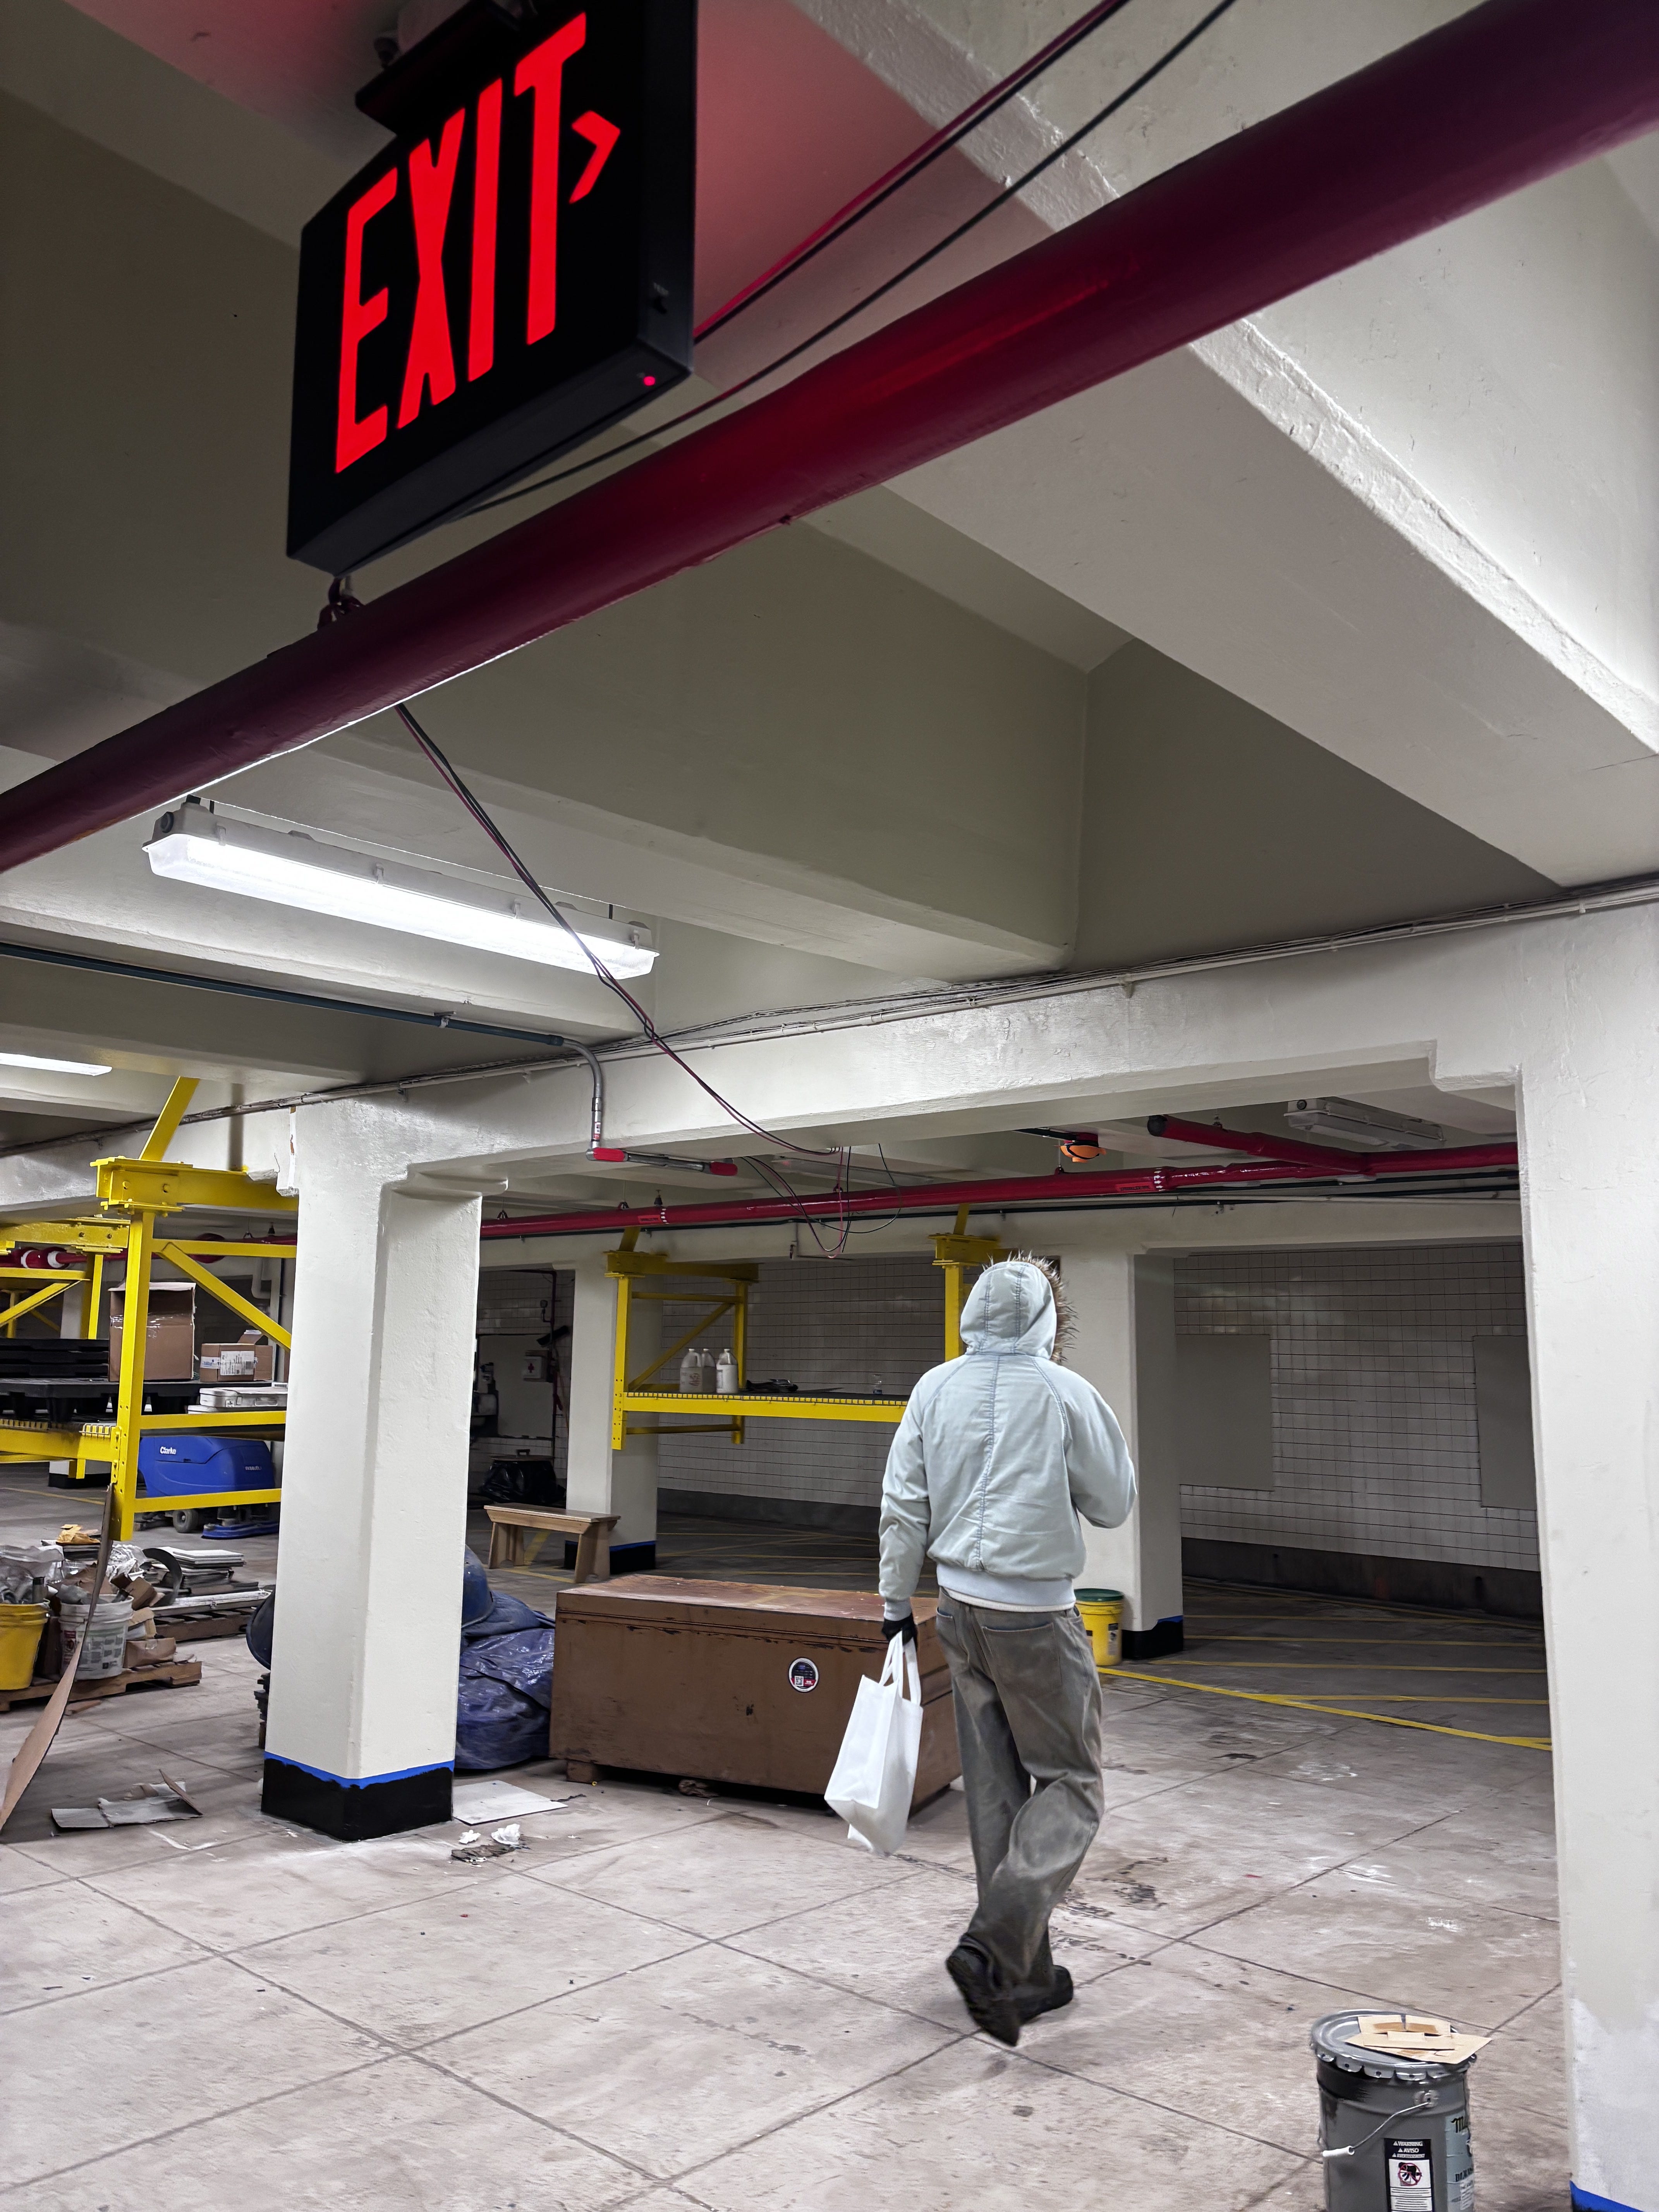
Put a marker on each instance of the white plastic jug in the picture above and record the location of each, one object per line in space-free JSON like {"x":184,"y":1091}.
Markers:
{"x":726,"y":1374}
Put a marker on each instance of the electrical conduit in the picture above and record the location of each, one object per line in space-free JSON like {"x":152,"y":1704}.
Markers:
{"x":1012,"y":1194}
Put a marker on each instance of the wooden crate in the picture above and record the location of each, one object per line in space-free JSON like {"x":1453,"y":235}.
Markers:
{"x":701,"y":1679}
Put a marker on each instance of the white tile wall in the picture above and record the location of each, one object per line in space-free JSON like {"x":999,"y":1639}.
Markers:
{"x":1375,"y":1447}
{"x":824,"y":1324}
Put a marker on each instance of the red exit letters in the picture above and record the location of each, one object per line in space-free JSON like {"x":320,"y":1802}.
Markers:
{"x":421,"y":191}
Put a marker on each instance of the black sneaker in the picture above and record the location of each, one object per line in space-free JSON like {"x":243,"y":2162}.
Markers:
{"x":1032,"y":2000}
{"x":992,"y":2010}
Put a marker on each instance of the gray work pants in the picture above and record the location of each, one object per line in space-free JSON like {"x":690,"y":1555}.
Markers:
{"x":1028,"y":1713}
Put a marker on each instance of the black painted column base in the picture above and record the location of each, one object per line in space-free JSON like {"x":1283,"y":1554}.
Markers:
{"x":1156,"y":1641}
{"x":625,"y":1559}
{"x":383,"y":1805}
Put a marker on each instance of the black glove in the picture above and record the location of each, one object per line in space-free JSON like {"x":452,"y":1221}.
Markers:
{"x":905,"y":1625}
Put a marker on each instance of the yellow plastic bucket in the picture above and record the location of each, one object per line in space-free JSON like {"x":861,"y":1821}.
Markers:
{"x":20,"y":1639}
{"x":1102,"y":1616}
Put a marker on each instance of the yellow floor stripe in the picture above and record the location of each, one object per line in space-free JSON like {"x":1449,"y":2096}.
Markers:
{"x":1348,"y":1665}
{"x":1388,"y":1643}
{"x":1368,"y":1619}
{"x":1359,"y":1608}
{"x":1403,"y":1698}
{"x":1332,"y":1713}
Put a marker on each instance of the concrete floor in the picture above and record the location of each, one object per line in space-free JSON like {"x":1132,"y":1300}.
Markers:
{"x":669,"y":2003}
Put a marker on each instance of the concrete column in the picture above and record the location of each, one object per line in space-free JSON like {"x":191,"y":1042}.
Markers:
{"x":1590,"y":1199}
{"x":362,"y":1735}
{"x":1124,"y":1303}
{"x":600,"y":1480}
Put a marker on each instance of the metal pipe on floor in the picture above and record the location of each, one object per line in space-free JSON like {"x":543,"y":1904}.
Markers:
{"x":1505,"y":95}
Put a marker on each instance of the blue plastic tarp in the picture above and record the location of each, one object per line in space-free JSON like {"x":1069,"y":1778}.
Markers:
{"x":505,"y":1688}
{"x":505,"y":1692}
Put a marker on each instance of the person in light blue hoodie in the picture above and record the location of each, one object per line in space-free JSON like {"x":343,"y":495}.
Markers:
{"x":998,"y":1454}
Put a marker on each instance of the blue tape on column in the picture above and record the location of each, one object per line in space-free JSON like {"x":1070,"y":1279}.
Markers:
{"x":354,"y":1808}
{"x":364,"y":1780}
{"x":1586,"y":2200}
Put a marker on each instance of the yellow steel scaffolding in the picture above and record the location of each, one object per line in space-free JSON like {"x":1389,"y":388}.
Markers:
{"x":133,"y":1195}
{"x":956,"y":1254}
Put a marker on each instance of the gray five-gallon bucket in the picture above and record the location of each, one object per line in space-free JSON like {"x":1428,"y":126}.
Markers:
{"x":1399,"y":2127}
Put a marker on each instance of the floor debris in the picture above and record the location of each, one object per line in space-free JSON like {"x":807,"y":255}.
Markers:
{"x":142,"y":1807}
{"x":472,"y":1849}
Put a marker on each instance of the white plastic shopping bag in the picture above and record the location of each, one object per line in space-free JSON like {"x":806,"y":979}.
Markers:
{"x":876,"y":1772}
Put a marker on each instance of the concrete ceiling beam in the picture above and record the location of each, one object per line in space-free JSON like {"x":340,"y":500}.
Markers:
{"x":1455,"y":120}
{"x":1396,"y":512}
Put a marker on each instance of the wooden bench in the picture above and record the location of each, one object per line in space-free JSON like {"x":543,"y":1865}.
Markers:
{"x":510,"y":1525}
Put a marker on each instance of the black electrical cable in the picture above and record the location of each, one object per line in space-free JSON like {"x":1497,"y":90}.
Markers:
{"x":907,"y":171}
{"x":828,"y":330}
{"x":475,"y":807}
{"x":869,"y":1228}
{"x":779,"y":1183}
{"x":776,"y":1179}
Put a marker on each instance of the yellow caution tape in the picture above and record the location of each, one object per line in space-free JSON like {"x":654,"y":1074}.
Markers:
{"x":1332,"y":1713}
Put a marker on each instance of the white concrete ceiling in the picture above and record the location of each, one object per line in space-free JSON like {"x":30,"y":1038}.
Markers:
{"x":1410,"y":515}
{"x":1413,"y":513}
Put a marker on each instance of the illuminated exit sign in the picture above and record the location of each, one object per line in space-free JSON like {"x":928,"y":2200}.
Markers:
{"x":513,"y":273}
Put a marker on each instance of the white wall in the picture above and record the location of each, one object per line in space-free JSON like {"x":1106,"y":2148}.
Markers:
{"x":824,"y":1324}
{"x":1375,"y":1444}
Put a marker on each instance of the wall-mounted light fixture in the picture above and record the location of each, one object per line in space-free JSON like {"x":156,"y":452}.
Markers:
{"x":195,"y":845}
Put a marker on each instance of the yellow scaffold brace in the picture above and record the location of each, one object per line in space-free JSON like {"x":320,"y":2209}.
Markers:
{"x":132,"y":1195}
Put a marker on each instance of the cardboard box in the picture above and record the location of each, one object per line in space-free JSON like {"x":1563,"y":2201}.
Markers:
{"x":252,"y":1358}
{"x":170,"y":1352}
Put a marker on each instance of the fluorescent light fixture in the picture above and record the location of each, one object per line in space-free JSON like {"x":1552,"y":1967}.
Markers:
{"x":193,"y":845}
{"x":52,"y":1066}
{"x":1374,"y":1127}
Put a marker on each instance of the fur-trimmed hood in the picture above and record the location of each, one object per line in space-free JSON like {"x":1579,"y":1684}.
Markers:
{"x":1017,"y":1306}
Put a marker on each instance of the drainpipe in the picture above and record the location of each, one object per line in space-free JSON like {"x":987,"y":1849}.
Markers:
{"x":1010,"y":1194}
{"x":1509,"y":92}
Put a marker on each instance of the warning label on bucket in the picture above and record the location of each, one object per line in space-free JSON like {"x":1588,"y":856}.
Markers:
{"x":1411,"y":2177}
{"x":1460,"y":2163}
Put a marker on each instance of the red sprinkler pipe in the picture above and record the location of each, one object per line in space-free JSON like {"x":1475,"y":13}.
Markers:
{"x":1011,"y":1194}
{"x":1506,"y":94}
{"x":1249,"y":1140}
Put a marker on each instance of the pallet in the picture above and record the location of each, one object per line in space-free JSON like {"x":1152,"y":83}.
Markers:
{"x":203,"y":1625}
{"x":174,"y":1675}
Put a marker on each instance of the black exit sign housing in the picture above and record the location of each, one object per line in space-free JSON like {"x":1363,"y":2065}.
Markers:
{"x":511,"y":275}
